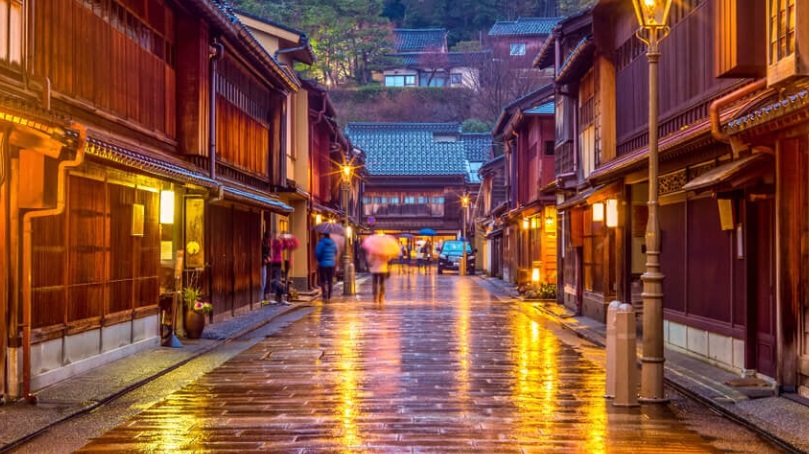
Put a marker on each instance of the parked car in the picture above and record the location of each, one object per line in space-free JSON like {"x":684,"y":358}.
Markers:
{"x":450,"y":255}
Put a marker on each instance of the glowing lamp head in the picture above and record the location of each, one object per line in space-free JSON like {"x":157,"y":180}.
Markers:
{"x":652,"y":13}
{"x":535,"y":275}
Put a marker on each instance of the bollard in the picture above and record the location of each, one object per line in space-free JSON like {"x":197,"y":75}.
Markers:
{"x":611,"y":312}
{"x":626,"y":377}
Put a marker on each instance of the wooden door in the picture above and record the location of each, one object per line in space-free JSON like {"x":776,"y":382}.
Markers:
{"x":220,"y":239}
{"x":762,"y":324}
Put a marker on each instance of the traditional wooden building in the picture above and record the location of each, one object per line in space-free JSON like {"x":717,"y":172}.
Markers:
{"x":518,"y":42}
{"x":764,"y":185}
{"x":420,"y":58}
{"x":526,"y":128}
{"x":140,"y":151}
{"x":490,"y":207}
{"x":721,"y":296}
{"x":417,"y":174}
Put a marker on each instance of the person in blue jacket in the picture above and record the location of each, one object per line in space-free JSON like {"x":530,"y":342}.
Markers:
{"x":326,"y":256}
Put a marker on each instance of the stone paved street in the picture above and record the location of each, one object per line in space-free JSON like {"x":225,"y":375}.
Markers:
{"x":442,"y":366}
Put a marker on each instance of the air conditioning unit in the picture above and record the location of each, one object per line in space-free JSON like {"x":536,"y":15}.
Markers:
{"x":787,"y":40}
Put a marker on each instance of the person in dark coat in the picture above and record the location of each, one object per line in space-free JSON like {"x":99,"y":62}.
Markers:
{"x":326,"y":255}
{"x":266,"y":252}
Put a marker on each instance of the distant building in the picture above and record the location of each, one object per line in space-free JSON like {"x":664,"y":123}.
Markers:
{"x":420,"y":58}
{"x":518,"y":42}
{"x":417,"y":173}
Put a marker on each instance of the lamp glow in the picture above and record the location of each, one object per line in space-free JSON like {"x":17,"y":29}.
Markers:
{"x":167,"y":207}
{"x":652,"y":13}
{"x":318,"y":219}
{"x":535,"y":275}
{"x":525,"y":224}
{"x":598,"y":212}
{"x":612,"y":213}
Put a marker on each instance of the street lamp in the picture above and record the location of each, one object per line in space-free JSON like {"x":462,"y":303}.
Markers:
{"x":652,"y":16}
{"x":348,"y":266}
{"x":464,"y":204}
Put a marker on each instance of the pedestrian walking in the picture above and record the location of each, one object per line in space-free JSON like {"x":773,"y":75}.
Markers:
{"x":276,"y":267}
{"x":421,"y":258}
{"x":266,"y":253}
{"x":326,"y":256}
{"x":404,"y":260}
{"x":378,"y":265}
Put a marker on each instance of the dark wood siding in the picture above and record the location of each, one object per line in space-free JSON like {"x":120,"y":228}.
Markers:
{"x":87,"y":265}
{"x":115,"y":58}
{"x":686,"y":80}
{"x":673,"y":256}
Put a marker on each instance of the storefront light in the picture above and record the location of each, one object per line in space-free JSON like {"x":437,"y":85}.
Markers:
{"x":612,"y":213}
{"x":533,"y":223}
{"x":535,"y":275}
{"x":525,"y":224}
{"x":318,"y":219}
{"x":598,"y":212}
{"x":167,"y":207}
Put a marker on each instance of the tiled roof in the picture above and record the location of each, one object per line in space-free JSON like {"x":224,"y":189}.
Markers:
{"x":453,"y":59}
{"x":544,"y":109}
{"x":525,"y":26}
{"x":420,"y":40}
{"x":478,"y":146}
{"x":415,"y":149}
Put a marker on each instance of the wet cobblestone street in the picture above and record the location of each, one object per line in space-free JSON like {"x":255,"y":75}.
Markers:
{"x":441,"y":366}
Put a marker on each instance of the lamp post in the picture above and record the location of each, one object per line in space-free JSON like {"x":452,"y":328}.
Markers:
{"x":652,"y":16}
{"x":348,"y":266}
{"x":464,"y":204}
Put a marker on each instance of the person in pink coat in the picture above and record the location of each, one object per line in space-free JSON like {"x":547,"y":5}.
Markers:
{"x":379,"y":268}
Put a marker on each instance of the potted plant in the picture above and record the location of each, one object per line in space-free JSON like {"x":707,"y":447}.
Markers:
{"x":195,"y":308}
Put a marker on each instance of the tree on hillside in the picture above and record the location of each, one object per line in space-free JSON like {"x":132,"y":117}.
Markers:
{"x":501,"y":83}
{"x":348,"y":36}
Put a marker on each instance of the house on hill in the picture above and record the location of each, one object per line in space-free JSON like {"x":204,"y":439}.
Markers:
{"x":420,"y":58}
{"x":417,"y":174}
{"x":518,"y":42}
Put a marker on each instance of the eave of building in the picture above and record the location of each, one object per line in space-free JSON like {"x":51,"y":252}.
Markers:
{"x":27,"y":115}
{"x":162,"y":167}
{"x":577,"y":62}
{"x":545,"y":57}
{"x":791,"y":110}
{"x":235,"y":192}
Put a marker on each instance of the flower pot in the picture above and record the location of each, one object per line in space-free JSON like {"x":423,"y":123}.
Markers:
{"x":194,"y":324}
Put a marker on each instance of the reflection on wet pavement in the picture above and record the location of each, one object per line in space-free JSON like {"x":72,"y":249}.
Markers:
{"x":442,"y":366}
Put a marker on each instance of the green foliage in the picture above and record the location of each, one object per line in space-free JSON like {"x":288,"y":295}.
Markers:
{"x":544,"y":291}
{"x":475,"y":125}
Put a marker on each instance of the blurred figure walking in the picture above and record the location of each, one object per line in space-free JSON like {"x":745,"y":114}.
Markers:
{"x":326,"y":255}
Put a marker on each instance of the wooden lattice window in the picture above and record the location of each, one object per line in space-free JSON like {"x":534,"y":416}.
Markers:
{"x":782,"y":29}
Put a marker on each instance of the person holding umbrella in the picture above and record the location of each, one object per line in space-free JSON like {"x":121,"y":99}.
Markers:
{"x":381,"y":249}
{"x":326,"y":255}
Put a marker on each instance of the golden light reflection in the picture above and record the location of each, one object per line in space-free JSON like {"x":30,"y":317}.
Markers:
{"x":462,"y":328}
{"x":179,"y":431}
{"x":348,"y":342}
{"x":536,"y":375}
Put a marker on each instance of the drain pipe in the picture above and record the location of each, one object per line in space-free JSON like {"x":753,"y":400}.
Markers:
{"x":713,"y":111}
{"x":215,"y":53}
{"x":27,"y":252}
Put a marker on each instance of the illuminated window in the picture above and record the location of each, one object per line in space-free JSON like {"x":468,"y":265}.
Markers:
{"x":517,"y":49}
{"x":400,"y":81}
{"x":11,"y":32}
